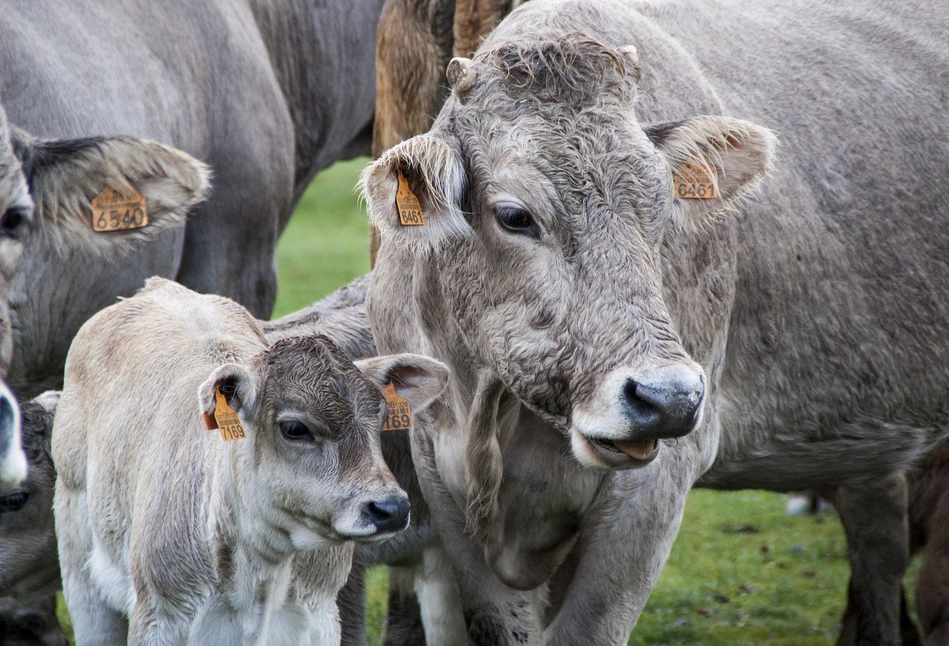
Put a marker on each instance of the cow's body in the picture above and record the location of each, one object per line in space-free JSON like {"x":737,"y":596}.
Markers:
{"x":814,"y":308}
{"x":268,"y":93}
{"x":171,"y":535}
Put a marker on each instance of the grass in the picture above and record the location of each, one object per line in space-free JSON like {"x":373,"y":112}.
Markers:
{"x":740,"y":572}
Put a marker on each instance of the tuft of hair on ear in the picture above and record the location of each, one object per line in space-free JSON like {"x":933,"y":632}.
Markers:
{"x":483,"y":458}
{"x":66,"y":175}
{"x":435,"y":174}
{"x":735,"y":154}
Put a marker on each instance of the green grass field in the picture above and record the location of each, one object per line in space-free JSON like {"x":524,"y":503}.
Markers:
{"x":740,"y":572}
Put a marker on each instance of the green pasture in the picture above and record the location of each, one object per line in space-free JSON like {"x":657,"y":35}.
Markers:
{"x":740,"y":572}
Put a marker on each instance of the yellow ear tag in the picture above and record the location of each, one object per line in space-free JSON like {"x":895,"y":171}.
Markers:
{"x":399,"y":414}
{"x":695,"y":182}
{"x":224,"y":418}
{"x":116,"y":210}
{"x":410,"y":210}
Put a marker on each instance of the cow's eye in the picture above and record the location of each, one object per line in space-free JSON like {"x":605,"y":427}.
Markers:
{"x":13,"y":502}
{"x":517,"y":220}
{"x":295,"y":431}
{"x":14,"y":221}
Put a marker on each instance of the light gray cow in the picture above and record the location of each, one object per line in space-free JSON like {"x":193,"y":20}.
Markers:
{"x":169,"y":534}
{"x":267,"y":92}
{"x":29,"y":564}
{"x":625,"y":318}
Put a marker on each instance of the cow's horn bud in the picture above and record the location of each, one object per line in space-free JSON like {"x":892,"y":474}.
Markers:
{"x":631,"y":56}
{"x":461,"y":74}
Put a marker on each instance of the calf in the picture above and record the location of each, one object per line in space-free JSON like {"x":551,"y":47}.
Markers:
{"x":167,"y":533}
{"x":29,"y":564}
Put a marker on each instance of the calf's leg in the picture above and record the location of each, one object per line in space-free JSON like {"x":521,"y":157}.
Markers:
{"x":94,"y":621}
{"x":404,"y":617}
{"x":932,"y":582}
{"x":874,"y":516}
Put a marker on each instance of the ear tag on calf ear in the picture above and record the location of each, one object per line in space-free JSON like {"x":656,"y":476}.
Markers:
{"x":118,"y":209}
{"x":224,"y":418}
{"x":410,"y":210}
{"x":399,"y":413}
{"x":695,"y":182}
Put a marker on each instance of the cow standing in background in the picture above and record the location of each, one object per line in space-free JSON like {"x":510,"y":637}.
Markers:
{"x":625,"y":318}
{"x":266,"y":92}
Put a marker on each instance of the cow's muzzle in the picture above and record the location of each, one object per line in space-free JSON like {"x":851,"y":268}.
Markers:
{"x":621,"y":427}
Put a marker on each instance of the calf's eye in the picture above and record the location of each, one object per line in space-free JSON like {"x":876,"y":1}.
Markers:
{"x":295,"y":431}
{"x":517,"y":220}
{"x":13,"y":221}
{"x":13,"y":502}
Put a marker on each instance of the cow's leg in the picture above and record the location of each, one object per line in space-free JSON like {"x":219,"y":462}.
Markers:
{"x":494,"y":614}
{"x":439,"y":598}
{"x":932,"y":582}
{"x":618,"y":562}
{"x":352,"y":605}
{"x":874,"y":516}
{"x":403,"y":617}
{"x":93,"y":620}
{"x":230,"y":241}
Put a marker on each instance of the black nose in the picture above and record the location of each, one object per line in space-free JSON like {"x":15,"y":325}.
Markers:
{"x":390,"y":514}
{"x":664,"y":404}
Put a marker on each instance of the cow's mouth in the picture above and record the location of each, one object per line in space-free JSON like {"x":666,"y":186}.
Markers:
{"x":641,"y":450}
{"x":615,"y":454}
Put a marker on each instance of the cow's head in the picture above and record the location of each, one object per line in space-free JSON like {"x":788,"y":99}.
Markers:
{"x":313,"y":456}
{"x":546,"y":206}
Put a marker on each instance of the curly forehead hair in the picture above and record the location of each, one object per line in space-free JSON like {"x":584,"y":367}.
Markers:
{"x":568,"y":68}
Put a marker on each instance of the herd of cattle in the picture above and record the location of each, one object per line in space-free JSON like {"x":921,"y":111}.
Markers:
{"x":619,"y":287}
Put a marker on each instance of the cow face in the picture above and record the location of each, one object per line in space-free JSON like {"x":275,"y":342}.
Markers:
{"x":547,"y":206}
{"x":314,"y":451}
{"x":16,"y":217}
{"x":29,"y":563}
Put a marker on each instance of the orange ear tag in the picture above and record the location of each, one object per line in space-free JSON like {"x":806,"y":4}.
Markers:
{"x":224,"y":418}
{"x":116,"y":210}
{"x":399,"y":413}
{"x":410,"y":210}
{"x":695,"y":182}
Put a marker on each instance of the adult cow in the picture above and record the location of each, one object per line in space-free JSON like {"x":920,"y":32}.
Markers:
{"x":614,"y":342}
{"x":266,"y":92}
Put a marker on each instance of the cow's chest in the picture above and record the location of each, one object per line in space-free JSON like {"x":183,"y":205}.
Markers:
{"x":544,"y":495}
{"x":266,"y":613}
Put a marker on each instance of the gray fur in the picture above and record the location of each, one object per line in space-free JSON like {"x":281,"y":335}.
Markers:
{"x":267,"y":92}
{"x":29,"y":564}
{"x":168,"y":534}
{"x":803,"y":309}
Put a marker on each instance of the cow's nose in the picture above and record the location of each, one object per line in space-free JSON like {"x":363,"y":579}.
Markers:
{"x":664,"y":403}
{"x":390,"y":514}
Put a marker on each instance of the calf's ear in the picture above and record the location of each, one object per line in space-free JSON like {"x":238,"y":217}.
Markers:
{"x":714,"y":162}
{"x":419,"y":379}
{"x":240,"y":387}
{"x":65,"y":176}
{"x":414,"y":192}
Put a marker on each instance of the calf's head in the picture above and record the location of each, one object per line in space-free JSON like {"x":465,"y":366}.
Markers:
{"x":313,"y":457}
{"x":29,"y":562}
{"x":547,"y":207}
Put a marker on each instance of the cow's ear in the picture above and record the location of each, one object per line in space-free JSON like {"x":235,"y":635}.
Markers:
{"x":414,"y":192}
{"x":714,"y":161}
{"x":419,"y":379}
{"x":240,"y":387}
{"x":66,"y":176}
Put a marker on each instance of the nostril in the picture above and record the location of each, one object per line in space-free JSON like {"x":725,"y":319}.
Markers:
{"x":389,"y":515}
{"x":643,"y":410}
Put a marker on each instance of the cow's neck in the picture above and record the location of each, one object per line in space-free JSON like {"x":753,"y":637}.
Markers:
{"x":323,"y":54}
{"x":249,"y":548}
